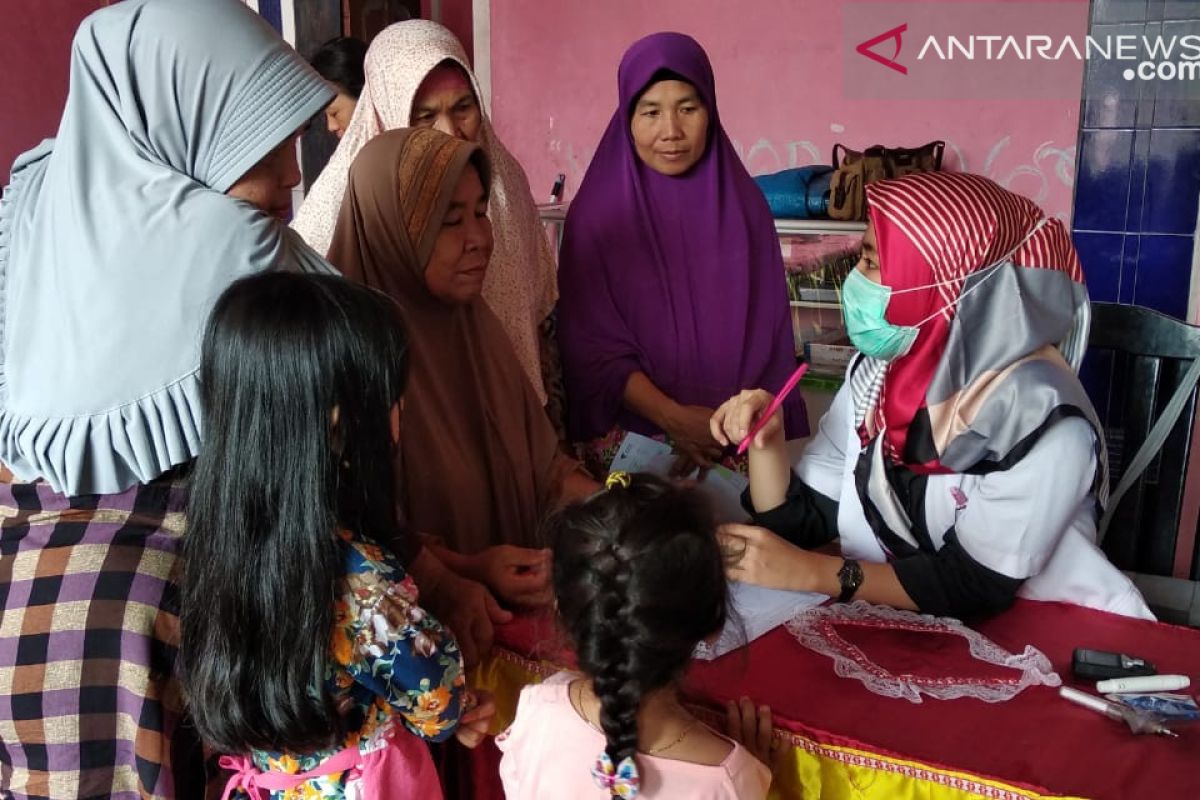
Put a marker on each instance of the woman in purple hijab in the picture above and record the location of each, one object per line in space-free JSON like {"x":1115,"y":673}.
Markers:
{"x":672,"y":293}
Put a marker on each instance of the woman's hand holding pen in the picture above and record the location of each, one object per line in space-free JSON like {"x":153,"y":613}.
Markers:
{"x":770,"y":468}
{"x":732,"y":421}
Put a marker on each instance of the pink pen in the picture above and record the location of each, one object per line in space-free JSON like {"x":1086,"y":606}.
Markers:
{"x":773,"y":407}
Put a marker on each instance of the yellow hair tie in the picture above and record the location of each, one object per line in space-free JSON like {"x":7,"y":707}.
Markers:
{"x":617,"y":477}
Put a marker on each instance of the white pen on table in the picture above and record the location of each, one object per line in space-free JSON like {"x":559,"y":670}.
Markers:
{"x":1143,"y":683}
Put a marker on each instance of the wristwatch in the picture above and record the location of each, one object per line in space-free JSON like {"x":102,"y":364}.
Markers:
{"x":850,"y":576}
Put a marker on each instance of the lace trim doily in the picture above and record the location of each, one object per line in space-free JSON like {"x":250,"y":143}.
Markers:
{"x":816,"y":629}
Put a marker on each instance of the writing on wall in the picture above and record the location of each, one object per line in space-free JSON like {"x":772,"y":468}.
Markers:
{"x":778,"y":65}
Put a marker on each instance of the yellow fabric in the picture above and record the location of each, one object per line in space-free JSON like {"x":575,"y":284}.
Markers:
{"x":808,"y":769}
{"x":504,"y":675}
{"x":805,"y":770}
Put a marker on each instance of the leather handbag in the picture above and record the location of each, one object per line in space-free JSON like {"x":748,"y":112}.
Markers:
{"x":853,"y":170}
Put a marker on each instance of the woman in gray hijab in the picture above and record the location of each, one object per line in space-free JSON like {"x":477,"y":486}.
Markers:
{"x":169,"y":176}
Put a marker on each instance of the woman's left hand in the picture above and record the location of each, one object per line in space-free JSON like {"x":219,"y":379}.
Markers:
{"x":687,"y":426}
{"x":473,"y":725}
{"x":765,"y":560}
{"x":520,"y":576}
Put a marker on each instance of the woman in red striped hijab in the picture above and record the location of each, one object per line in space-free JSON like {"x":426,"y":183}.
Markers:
{"x":961,"y":464}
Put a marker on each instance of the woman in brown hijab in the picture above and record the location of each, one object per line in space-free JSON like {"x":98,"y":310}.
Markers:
{"x":479,"y":460}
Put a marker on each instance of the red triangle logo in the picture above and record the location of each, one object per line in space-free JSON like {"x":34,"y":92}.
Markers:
{"x":890,"y":63}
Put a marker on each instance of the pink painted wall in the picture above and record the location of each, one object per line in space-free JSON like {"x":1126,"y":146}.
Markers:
{"x":455,"y":15}
{"x":35,"y":40}
{"x":779,"y":67}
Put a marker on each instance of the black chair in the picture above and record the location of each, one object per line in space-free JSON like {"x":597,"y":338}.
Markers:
{"x":1136,"y":361}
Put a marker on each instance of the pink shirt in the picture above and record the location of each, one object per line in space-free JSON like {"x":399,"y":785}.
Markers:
{"x":549,"y":751}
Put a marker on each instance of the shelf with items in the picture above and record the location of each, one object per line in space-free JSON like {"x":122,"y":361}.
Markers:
{"x":832,"y":305}
{"x":817,"y":258}
{"x":557,"y":212}
{"x":837,"y":227}
{"x":554,"y":214}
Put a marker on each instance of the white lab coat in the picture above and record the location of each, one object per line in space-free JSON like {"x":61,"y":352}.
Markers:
{"x":1035,"y":520}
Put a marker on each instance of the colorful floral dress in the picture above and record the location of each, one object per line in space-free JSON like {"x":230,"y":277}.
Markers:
{"x":396,"y":664}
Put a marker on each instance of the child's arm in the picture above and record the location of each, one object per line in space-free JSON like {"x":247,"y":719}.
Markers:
{"x":474,"y":724}
{"x":392,"y":646}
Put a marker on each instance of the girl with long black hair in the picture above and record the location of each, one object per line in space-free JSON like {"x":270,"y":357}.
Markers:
{"x":304,"y":650}
{"x":640,"y":581}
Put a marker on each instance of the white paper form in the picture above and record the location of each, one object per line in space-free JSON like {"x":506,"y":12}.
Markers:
{"x":724,"y":487}
{"x":758,"y":611}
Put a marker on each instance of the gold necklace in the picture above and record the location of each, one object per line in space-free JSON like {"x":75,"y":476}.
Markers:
{"x":578,"y":703}
{"x":682,"y":735}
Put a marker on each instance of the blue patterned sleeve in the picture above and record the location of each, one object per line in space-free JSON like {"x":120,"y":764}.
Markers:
{"x":390,"y":645}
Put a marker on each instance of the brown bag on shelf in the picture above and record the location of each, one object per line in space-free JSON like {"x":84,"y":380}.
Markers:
{"x":853,"y":170}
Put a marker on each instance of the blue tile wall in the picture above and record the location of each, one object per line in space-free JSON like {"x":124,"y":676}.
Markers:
{"x":1138,"y":166}
{"x":1119,"y":11}
{"x":1180,"y":9}
{"x":1102,"y":179}
{"x":1137,"y":186}
{"x":1130,"y":260}
{"x":1137,"y":177}
{"x":1172,"y":181}
{"x":1110,"y":101}
{"x":1177,"y":102}
{"x":1100,"y":254}
{"x":271,"y":12}
{"x":1163,"y":276}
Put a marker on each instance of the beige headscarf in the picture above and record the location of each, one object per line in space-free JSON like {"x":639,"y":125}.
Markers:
{"x":521,"y":286}
{"x":479,"y":459}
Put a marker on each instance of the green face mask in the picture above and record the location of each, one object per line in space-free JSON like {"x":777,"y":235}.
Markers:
{"x":863,"y":305}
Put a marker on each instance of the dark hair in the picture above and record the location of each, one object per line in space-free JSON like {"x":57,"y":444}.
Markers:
{"x":274,"y":481}
{"x":640,"y":580}
{"x":340,"y":61}
{"x":658,"y":77}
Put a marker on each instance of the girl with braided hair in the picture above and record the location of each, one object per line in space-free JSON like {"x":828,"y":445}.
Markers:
{"x":639,"y":578}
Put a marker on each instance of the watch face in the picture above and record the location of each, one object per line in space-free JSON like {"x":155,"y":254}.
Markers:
{"x":850,"y":577}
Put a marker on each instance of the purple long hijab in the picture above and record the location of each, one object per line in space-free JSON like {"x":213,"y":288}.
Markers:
{"x":678,"y":277}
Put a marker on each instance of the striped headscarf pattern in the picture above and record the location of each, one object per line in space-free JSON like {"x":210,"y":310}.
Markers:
{"x":1003,"y":285}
